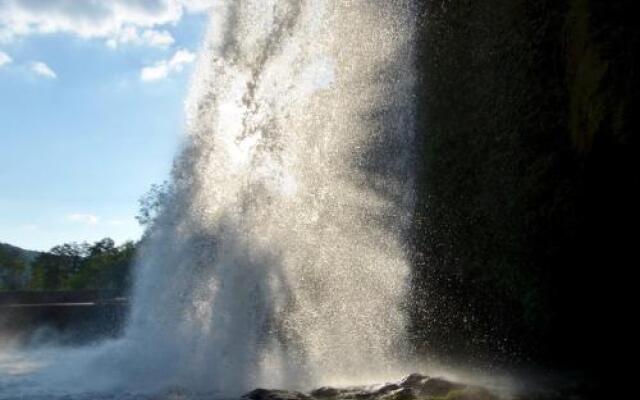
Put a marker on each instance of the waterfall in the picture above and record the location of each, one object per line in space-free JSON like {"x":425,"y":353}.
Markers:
{"x":278,"y":257}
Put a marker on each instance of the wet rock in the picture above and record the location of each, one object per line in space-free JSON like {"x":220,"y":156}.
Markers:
{"x":413,"y":380}
{"x":325,"y":392}
{"x":417,"y":387}
{"x":386,"y":389}
{"x":437,"y":387}
{"x":413,"y":387}
{"x":269,"y":394}
{"x":402,"y":394}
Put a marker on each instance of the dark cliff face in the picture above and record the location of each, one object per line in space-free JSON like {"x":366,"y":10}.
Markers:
{"x":528,"y":156}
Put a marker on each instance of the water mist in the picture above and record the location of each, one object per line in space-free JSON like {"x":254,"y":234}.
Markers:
{"x":279,"y":259}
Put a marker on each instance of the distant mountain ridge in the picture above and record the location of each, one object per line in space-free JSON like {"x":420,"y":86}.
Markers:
{"x":15,"y":251}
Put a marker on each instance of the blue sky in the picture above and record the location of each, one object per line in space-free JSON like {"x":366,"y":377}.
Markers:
{"x":91,"y":112}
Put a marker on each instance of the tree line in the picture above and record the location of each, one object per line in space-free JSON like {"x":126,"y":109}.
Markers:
{"x":101,"y":265}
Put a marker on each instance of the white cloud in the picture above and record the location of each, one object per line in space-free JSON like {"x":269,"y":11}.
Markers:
{"x":149,"y":37}
{"x":162,"y":69}
{"x":43,"y":70}
{"x":117,"y":222}
{"x":197,"y":5}
{"x":115,"y":21}
{"x":157,"y":38}
{"x":5,"y":59}
{"x":88,"y":219}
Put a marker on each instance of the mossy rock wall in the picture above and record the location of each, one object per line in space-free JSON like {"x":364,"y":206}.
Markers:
{"x":526,"y":177}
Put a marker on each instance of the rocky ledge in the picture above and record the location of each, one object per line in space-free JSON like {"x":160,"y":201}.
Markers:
{"x":414,"y":387}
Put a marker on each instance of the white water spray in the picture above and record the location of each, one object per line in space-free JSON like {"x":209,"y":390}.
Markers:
{"x":278,"y":259}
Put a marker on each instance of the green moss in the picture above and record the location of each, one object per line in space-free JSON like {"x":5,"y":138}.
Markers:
{"x":467,"y":394}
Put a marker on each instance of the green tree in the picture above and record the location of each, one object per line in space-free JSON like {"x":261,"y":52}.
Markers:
{"x":72,"y":266}
{"x":152,"y":203}
{"x":12,"y":269}
{"x":105,"y":267}
{"x":47,"y":272}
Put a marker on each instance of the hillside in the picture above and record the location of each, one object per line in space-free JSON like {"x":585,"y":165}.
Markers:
{"x":15,"y":265}
{"x":25,"y":254}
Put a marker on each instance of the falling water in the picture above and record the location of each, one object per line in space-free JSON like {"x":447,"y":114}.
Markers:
{"x":278,"y":258}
